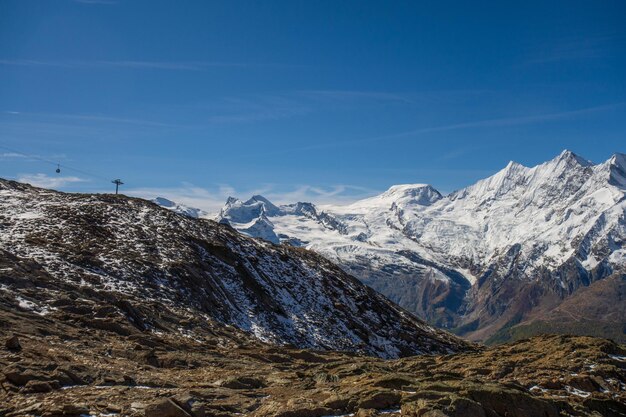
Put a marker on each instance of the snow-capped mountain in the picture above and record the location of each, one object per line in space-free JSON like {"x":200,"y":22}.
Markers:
{"x":130,"y":254}
{"x":180,"y":208}
{"x":465,"y":259}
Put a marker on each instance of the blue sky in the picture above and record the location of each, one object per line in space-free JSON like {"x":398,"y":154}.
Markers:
{"x":325,"y":101}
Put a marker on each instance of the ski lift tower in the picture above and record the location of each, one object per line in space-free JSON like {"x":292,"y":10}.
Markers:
{"x":117,"y":183}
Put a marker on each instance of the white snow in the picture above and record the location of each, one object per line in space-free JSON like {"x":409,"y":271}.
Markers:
{"x":180,"y":208}
{"x":560,"y":209}
{"x":577,"y":392}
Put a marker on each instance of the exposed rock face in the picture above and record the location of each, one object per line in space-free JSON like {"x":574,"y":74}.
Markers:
{"x":119,"y":255}
{"x":498,"y":254}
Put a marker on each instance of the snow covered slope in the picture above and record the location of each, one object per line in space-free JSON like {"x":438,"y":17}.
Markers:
{"x":110,"y":244}
{"x":180,"y":208}
{"x":561,"y":223}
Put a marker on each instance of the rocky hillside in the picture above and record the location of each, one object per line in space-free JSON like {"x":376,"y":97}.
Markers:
{"x":118,"y":263}
{"x":483,"y":259}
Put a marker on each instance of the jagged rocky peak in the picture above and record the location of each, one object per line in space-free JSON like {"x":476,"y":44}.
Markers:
{"x":232,"y":201}
{"x":237,"y":211}
{"x":617,"y":170}
{"x":267,"y":206}
{"x":516,"y":179}
{"x":619,"y":159}
{"x":566,"y":163}
{"x":568,"y":157}
{"x":307,"y":209}
{"x":262,"y":228}
{"x":504,"y":181}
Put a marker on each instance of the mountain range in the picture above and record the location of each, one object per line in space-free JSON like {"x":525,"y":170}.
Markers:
{"x":493,"y":261}
{"x":111,"y":305}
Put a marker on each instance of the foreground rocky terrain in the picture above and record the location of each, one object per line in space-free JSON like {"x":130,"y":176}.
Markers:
{"x":491,"y":261}
{"x":62,"y":364}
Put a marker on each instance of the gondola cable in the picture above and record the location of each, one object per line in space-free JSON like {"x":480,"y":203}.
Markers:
{"x":57,"y":164}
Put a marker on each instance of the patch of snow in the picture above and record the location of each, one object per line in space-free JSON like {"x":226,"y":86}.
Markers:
{"x":577,"y":392}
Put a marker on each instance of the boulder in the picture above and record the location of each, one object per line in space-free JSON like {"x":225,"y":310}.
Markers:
{"x":242,"y":382}
{"x":165,"y":408}
{"x":18,"y":376}
{"x":66,"y":410}
{"x":13,"y":343}
{"x":380,"y":400}
{"x":190,"y":404}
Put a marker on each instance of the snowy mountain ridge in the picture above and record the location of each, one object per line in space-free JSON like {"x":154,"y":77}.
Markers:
{"x":520,"y":223}
{"x":180,"y":208}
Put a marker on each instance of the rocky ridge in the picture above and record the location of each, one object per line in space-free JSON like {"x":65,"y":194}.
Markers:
{"x":135,"y":255}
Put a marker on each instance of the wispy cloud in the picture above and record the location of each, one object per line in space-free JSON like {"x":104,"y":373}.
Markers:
{"x":212,"y":200}
{"x":136,"y":64}
{"x":47,"y":181}
{"x":509,"y":121}
{"x":281,"y":105}
{"x":351,"y":95}
{"x":453,"y":154}
{"x":98,"y":118}
{"x":485,"y":123}
{"x":9,"y":153}
{"x":12,"y":155}
{"x":336,"y":194}
{"x":21,"y":124}
{"x":254,"y":109}
{"x":109,"y":2}
{"x":17,"y":155}
{"x":573,"y":48}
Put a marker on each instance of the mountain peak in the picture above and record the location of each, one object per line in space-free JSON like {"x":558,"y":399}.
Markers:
{"x":258,"y":198}
{"x":568,"y":156}
{"x":422,"y":194}
{"x":179,"y":208}
{"x":268,"y":207}
{"x":403,"y":187}
{"x":252,"y":209}
{"x":163,"y":202}
{"x":619,"y":159}
{"x":232,"y":200}
{"x":617,"y":170}
{"x":513,"y":164}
